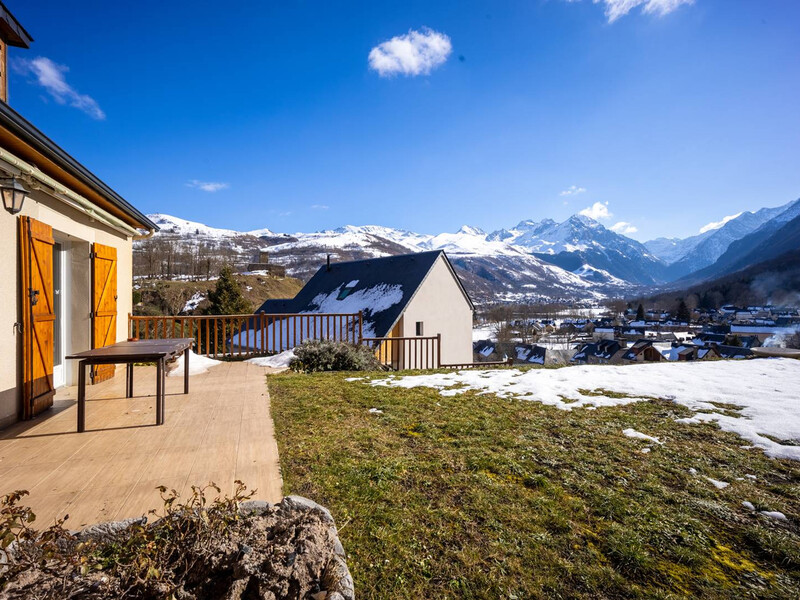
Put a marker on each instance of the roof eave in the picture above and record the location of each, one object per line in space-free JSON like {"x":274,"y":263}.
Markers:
{"x":27,"y":133}
{"x":12,"y":31}
{"x":458,"y":279}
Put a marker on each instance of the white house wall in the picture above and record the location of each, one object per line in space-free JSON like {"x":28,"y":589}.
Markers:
{"x":441,"y":306}
{"x":76,"y":227}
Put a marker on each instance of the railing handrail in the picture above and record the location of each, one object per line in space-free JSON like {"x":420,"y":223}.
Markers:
{"x":242,"y":316}
{"x":398,"y":338}
{"x":251,"y":334}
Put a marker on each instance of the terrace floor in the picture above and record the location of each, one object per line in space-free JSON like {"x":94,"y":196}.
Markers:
{"x":221,"y":431}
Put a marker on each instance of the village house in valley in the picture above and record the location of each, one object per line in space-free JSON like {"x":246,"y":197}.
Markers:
{"x":642,"y":351}
{"x":68,"y":240}
{"x":402,"y":297}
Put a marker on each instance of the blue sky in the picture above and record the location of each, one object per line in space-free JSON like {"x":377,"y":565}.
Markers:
{"x":670,"y":116}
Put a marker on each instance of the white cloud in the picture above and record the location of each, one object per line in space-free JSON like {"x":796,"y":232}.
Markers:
{"x":596,"y":211}
{"x":624,"y":228}
{"x":615,"y":9}
{"x":415,"y":53}
{"x":51,"y":76}
{"x":320,"y":206}
{"x":207,"y":186}
{"x":572,"y":190}
{"x":718,"y":224}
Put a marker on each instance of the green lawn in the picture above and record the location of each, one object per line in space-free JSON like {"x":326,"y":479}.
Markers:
{"x":477,"y":497}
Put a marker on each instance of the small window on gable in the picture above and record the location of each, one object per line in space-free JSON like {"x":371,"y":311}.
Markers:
{"x":345,"y":291}
{"x":419,"y":328}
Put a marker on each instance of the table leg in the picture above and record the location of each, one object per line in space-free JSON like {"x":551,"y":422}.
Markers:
{"x":186,"y":371}
{"x":159,"y":384}
{"x":129,"y":380}
{"x":81,"y":397}
{"x":163,"y":389}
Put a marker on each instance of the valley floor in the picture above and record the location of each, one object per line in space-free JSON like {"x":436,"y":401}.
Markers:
{"x":469,"y":494}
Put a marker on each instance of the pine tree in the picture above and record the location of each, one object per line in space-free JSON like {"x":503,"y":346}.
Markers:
{"x":227,"y":298}
{"x":640,"y":313}
{"x":684,"y":316}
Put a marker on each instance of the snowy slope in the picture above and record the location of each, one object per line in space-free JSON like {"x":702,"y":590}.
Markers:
{"x":580,"y":241}
{"x":691,"y":254}
{"x":671,"y":250}
{"x":175,"y":225}
{"x":491,"y":268}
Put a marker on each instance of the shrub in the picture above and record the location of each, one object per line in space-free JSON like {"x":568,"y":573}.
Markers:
{"x":207,"y":546}
{"x":145,"y":561}
{"x":326,"y":355}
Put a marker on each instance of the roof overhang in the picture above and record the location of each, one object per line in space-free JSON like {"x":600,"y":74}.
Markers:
{"x":24,"y":140}
{"x":458,"y":280}
{"x":11,"y":31}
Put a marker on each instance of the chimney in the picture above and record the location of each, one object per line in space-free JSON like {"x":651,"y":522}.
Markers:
{"x":328,"y":264}
{"x":11,"y":34}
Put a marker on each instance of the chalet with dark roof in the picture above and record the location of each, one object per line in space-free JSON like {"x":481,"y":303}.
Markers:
{"x":733,"y":352}
{"x":403,"y":296}
{"x":602,"y":352}
{"x":642,"y":351}
{"x":529,"y":354}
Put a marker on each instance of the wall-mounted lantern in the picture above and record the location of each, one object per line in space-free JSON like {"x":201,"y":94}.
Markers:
{"x":13,"y":194}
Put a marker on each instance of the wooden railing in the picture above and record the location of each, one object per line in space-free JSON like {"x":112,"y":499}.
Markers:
{"x":400,"y":353}
{"x":244,"y":336}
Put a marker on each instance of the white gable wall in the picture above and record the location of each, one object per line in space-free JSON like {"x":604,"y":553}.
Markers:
{"x":441,"y":306}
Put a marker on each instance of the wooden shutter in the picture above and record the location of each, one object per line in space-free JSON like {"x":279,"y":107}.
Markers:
{"x":38,"y":315}
{"x":104,"y":304}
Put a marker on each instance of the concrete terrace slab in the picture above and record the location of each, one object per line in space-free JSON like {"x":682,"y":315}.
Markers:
{"x":221,"y":431}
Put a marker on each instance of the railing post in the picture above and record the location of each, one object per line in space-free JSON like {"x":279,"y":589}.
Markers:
{"x":438,"y":350}
{"x":360,"y":326}
{"x":130,"y":325}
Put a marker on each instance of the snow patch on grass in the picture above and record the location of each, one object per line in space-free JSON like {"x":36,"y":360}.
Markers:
{"x":763,"y":390}
{"x":193,"y":302}
{"x":774,"y":514}
{"x":720,"y":485}
{"x":632,"y":433}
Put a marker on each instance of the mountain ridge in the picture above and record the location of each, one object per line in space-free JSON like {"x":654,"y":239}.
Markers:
{"x":493,"y":270}
{"x":575,"y":258}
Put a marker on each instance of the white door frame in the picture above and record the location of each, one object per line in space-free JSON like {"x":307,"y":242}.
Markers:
{"x":62,"y":299}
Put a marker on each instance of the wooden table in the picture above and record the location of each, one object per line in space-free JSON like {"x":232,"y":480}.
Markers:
{"x":130,"y":353}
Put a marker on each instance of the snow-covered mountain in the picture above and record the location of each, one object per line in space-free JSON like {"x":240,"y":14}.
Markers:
{"x":577,"y":258}
{"x":671,"y":250}
{"x":580,"y":241}
{"x":685,"y":256}
{"x":492,"y":269}
{"x":175,"y":225}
